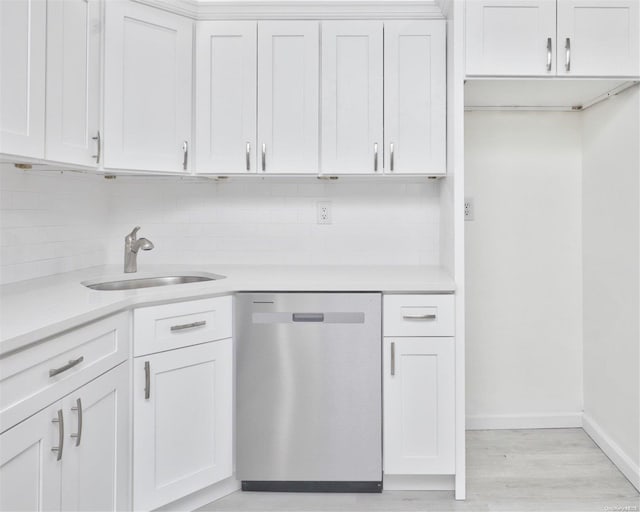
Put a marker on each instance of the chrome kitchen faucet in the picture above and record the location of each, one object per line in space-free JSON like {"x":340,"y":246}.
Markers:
{"x":132,"y":245}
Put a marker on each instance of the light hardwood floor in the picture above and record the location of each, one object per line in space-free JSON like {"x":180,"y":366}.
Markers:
{"x":507,"y":470}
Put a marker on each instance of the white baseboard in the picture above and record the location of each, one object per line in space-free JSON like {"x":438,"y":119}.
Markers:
{"x":417,"y":483}
{"x":612,"y":450}
{"x":203,"y":497}
{"x":516,"y":421}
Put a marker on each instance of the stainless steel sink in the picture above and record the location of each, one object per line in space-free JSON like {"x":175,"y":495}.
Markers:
{"x":148,"y":282}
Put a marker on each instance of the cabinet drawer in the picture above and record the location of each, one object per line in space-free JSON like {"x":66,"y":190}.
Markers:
{"x":418,"y":315}
{"x":159,"y":328}
{"x":41,"y":374}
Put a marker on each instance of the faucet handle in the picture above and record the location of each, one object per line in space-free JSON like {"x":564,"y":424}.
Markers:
{"x":133,"y":233}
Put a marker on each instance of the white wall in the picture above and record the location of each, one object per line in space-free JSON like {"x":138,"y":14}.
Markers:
{"x":275,"y":222}
{"x":611,"y":234}
{"x":50,"y":222}
{"x":523,"y":269}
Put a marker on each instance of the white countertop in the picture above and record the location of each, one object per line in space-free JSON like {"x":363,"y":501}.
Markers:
{"x":38,"y":308}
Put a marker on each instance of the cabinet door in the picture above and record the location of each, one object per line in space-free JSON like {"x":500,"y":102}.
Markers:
{"x":598,"y":38}
{"x":22,"y":77}
{"x":148,"y":65}
{"x":288,"y":82}
{"x":182,"y":433}
{"x":415,"y":97}
{"x":74,"y":56}
{"x":95,"y":471}
{"x":511,"y":37}
{"x":226,"y":81}
{"x":419,"y":406}
{"x":29,"y":469}
{"x":352,"y":97}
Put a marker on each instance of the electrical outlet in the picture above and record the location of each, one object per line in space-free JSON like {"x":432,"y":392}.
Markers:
{"x":468,"y":209}
{"x":323,"y":212}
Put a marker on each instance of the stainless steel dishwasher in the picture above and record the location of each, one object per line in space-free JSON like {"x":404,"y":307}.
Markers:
{"x":309,"y":391}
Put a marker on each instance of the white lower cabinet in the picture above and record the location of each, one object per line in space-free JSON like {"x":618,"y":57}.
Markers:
{"x":183,"y":417}
{"x":419,"y":385}
{"x":419,"y":406}
{"x":96,"y":470}
{"x":29,"y":471}
{"x":72,"y":455}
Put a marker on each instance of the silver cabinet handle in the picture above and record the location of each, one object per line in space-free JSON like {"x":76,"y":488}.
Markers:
{"x":549,"y":48}
{"x":426,"y":316}
{"x":60,"y":421}
{"x":391,"y":158}
{"x":185,"y":154}
{"x":181,"y":327}
{"x":307,"y":317}
{"x":567,"y":49}
{"x":147,"y":380}
{"x":73,"y":362}
{"x":99,"y":141}
{"x":264,"y":157}
{"x":393,"y":358}
{"x":248,"y":156}
{"x":78,"y":436}
{"x":375,"y":157}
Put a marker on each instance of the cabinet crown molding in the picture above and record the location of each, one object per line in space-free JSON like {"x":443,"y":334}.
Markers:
{"x":301,"y":9}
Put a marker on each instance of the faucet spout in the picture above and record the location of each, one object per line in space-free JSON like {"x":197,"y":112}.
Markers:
{"x":144,"y":244}
{"x":132,"y":245}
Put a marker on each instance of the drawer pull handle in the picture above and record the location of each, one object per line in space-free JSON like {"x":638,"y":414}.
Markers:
{"x":425,"y":316}
{"x":78,"y":408}
{"x":393,"y":358}
{"x":182,"y":327}
{"x":73,"y":362}
{"x":307,"y":317}
{"x":60,"y":421}
{"x":147,"y":380}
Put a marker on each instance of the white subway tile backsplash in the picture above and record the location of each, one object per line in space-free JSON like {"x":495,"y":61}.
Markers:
{"x":52,"y":222}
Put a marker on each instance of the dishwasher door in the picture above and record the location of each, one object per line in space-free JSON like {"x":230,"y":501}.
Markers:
{"x":309,"y":391}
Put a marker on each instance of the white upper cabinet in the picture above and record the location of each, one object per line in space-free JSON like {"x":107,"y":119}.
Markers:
{"x":580,"y":38}
{"x":352,"y":88}
{"x":288,"y":96}
{"x":74,"y":57}
{"x":415,"y":97}
{"x":22,"y":77}
{"x":599,"y":38}
{"x":148,"y":67}
{"x":398,"y":131}
{"x":511,"y":37}
{"x":226,"y":85}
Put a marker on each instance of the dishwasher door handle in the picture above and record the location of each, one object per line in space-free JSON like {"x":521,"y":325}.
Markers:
{"x":307,"y":317}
